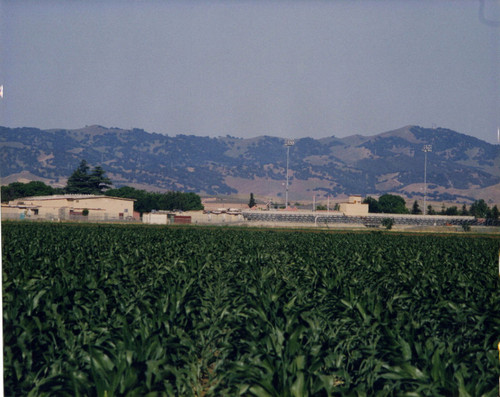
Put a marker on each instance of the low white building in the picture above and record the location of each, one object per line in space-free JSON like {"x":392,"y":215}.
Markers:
{"x":155,"y":218}
{"x":354,"y":206}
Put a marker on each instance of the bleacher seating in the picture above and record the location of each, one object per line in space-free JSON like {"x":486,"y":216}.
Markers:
{"x":373,"y":220}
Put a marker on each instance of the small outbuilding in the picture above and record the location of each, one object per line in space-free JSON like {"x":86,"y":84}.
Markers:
{"x":165,"y":218}
{"x":354,"y":206}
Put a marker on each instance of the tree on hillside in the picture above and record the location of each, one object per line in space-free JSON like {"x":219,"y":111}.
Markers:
{"x":83,"y":182}
{"x":252,"y":202}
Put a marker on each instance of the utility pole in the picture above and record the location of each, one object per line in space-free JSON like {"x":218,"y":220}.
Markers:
{"x":288,"y":143}
{"x":426,"y":149}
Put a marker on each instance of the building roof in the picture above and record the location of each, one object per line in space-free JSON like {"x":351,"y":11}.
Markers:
{"x":71,"y":197}
{"x":22,"y":206}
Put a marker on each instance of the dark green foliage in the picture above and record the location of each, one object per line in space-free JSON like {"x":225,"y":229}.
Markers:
{"x":98,"y":180}
{"x":453,"y":210}
{"x":83,"y":182}
{"x":387,"y":203}
{"x":479,"y":209}
{"x":78,"y":182}
{"x":392,"y":204}
{"x":493,"y":213}
{"x":148,"y":201}
{"x":416,"y":208}
{"x":251,"y":202}
{"x":35,"y":188}
{"x":103,"y":310}
{"x":388,"y":223}
{"x":373,"y":206}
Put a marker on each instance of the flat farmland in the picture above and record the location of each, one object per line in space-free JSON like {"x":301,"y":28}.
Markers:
{"x":116,"y":310}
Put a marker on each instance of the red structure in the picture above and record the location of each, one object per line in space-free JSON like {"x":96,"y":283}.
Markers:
{"x":182,"y":219}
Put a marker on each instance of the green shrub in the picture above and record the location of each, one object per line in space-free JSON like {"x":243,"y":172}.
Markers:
{"x":388,"y":223}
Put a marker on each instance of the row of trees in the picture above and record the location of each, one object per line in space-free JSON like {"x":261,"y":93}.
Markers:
{"x":148,"y":201}
{"x":17,"y":190}
{"x":478,"y":209}
{"x":392,"y":204}
{"x":81,"y":181}
{"x":86,"y":181}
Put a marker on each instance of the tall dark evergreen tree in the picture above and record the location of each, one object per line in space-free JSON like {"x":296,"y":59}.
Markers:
{"x":83,"y":182}
{"x":78,"y":182}
{"x":252,"y":202}
{"x":98,"y":180}
{"x":416,"y":208}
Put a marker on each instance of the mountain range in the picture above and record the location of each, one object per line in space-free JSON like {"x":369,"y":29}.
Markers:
{"x":459,"y":168}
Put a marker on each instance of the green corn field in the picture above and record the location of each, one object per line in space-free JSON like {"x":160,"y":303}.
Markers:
{"x":116,"y":310}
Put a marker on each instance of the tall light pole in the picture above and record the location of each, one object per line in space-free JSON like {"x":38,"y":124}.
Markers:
{"x":288,"y":143}
{"x":426,"y":149}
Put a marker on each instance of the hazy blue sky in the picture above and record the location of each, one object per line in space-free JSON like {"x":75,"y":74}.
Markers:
{"x":249,"y":68}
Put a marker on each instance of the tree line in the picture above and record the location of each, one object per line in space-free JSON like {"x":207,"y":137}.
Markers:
{"x":393,"y":204}
{"x":149,"y":201}
{"x":86,"y":181}
{"x":81,"y":181}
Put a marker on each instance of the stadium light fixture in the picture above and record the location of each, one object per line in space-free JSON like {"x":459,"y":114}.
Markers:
{"x":288,"y":143}
{"x":426,"y":149}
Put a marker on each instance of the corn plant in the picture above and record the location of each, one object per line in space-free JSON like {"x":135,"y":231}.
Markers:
{"x":112,"y":310}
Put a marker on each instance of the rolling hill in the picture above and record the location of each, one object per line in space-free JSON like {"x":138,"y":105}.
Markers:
{"x":459,"y":168}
